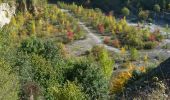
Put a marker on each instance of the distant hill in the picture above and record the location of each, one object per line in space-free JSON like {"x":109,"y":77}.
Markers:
{"x":153,"y":86}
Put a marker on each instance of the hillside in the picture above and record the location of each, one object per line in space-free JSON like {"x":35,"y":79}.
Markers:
{"x":154,"y":85}
{"x":55,"y":50}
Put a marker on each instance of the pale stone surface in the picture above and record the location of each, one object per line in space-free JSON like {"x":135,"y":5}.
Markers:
{"x":6,"y":13}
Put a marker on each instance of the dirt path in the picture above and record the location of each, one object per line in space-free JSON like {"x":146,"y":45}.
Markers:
{"x":80,"y":46}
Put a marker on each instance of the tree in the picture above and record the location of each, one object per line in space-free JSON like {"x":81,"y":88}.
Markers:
{"x":102,"y":56}
{"x":143,"y":15}
{"x":70,"y":91}
{"x":163,"y":4}
{"x":157,"y":8}
{"x":8,"y":82}
{"x":125,"y":11}
{"x":90,"y":76}
{"x":133,"y":54}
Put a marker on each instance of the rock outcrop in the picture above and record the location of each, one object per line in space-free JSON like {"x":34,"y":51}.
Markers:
{"x":6,"y":13}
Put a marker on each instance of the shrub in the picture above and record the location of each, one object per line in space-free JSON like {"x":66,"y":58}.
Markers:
{"x":118,"y":82}
{"x":90,"y":77}
{"x":101,"y":55}
{"x":9,"y":83}
{"x":44,"y":74}
{"x":133,"y":54}
{"x":116,"y":43}
{"x":106,"y":40}
{"x":35,"y":69}
{"x":40,"y":62}
{"x":152,"y":37}
{"x":149,"y":45}
{"x":125,"y":11}
{"x":157,"y":8}
{"x":101,"y":28}
{"x":35,"y":45}
{"x":31,"y":27}
{"x":32,"y":45}
{"x":143,"y":15}
{"x":70,"y":91}
{"x":70,"y":35}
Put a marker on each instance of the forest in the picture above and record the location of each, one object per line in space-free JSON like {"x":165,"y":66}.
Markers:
{"x":84,"y":50}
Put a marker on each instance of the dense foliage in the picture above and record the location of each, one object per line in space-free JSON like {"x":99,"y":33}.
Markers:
{"x":36,"y":64}
{"x":42,"y":69}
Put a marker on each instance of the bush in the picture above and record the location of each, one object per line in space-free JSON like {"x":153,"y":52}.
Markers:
{"x":36,"y":69}
{"x":34,"y":45}
{"x":157,"y":8}
{"x":31,"y":27}
{"x":9,"y":83}
{"x":40,"y":62}
{"x":143,"y":15}
{"x":118,"y":82}
{"x":125,"y":11}
{"x":90,"y":77}
{"x":101,"y":55}
{"x":149,"y":45}
{"x":133,"y":54}
{"x":70,"y":91}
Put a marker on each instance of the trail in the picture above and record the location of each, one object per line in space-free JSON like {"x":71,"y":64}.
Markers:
{"x":81,"y":46}
{"x":92,"y":39}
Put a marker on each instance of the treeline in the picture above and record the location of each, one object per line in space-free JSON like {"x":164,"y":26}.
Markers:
{"x":133,"y":5}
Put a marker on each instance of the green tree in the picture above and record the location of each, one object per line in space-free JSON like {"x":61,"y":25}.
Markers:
{"x":89,"y":75}
{"x":163,"y":4}
{"x":102,"y":56}
{"x":125,"y":11}
{"x":143,"y":15}
{"x":157,"y":8}
{"x":39,"y":62}
{"x":9,"y":83}
{"x":169,"y":6}
{"x":70,"y":91}
{"x":134,"y":54}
